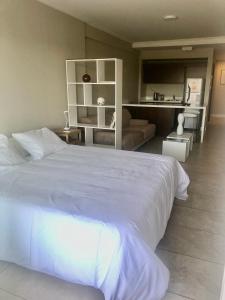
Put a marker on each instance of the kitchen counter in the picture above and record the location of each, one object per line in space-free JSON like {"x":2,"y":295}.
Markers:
{"x":173,"y":105}
{"x":161,"y":102}
{"x":167,"y":99}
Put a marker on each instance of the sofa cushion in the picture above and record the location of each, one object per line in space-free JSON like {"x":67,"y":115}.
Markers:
{"x":135,"y":131}
{"x":92,"y":119}
{"x":126,"y":116}
{"x":104,"y":137}
{"x":136,"y":122}
{"x":131,"y":140}
{"x":148,"y":131}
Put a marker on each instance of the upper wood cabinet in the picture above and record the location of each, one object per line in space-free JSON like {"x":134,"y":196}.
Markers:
{"x":172,"y":70}
{"x":163,"y":72}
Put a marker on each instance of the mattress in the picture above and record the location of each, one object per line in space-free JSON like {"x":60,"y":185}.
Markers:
{"x":92,"y":216}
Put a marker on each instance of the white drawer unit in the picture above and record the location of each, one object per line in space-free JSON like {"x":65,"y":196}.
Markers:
{"x":178,"y":149}
{"x":178,"y":146}
{"x":186,"y":136}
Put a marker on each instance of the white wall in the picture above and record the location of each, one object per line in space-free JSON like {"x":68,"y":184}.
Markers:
{"x":100,"y":45}
{"x":35,"y":40}
{"x":34,"y":43}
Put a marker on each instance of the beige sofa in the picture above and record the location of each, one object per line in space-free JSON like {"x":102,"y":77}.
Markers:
{"x":135,"y":131}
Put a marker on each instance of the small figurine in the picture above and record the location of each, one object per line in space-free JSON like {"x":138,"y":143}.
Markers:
{"x":101,"y":101}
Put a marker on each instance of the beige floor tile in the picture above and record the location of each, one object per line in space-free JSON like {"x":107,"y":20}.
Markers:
{"x":212,"y":222}
{"x":204,"y":201}
{"x":36,"y":286}
{"x":212,"y":182}
{"x":209,"y":189}
{"x":7,"y":296}
{"x":192,"y":278}
{"x":200,"y":164}
{"x":195,"y":243}
{"x":171,"y":296}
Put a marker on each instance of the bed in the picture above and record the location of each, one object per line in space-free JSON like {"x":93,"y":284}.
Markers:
{"x":92,"y":216}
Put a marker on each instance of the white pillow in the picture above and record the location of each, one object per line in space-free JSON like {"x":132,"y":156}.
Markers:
{"x":39,"y":143}
{"x":18,"y":148}
{"x":8,"y":155}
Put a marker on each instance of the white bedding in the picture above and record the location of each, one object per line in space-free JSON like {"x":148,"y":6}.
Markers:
{"x":92,"y":216}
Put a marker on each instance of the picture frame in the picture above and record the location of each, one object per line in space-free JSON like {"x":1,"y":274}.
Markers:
{"x":222,"y":77}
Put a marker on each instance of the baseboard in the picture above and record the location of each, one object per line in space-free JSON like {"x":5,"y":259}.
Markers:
{"x":217,"y":116}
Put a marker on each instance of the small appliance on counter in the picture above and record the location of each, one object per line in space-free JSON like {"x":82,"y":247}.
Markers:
{"x":162,"y":99}
{"x":156,"y":96}
{"x":173,"y":99}
{"x":146,"y":99}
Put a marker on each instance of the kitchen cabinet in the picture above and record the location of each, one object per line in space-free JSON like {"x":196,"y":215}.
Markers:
{"x":172,"y":71}
{"x":163,"y":72}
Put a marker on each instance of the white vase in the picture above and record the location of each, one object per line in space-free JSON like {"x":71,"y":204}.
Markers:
{"x":180,"y":129}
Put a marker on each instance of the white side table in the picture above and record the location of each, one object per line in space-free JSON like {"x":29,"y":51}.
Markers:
{"x":186,"y":136}
{"x":71,"y":136}
{"x":178,"y":146}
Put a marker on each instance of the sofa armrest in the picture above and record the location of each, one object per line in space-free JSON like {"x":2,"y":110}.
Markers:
{"x":138,"y":122}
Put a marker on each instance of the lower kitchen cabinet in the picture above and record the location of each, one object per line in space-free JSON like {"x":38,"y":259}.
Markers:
{"x":165,"y":119}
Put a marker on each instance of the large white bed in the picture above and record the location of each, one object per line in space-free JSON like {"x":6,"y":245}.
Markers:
{"x":92,"y":216}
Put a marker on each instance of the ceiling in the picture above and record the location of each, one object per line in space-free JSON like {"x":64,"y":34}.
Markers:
{"x":141,"y":20}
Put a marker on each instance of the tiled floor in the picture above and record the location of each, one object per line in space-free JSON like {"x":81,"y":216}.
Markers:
{"x":17,"y":283}
{"x":193,"y":247}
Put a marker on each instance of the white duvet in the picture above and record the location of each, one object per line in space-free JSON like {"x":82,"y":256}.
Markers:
{"x":92,"y":216}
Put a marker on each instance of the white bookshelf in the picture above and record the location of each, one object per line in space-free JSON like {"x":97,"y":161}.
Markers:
{"x":106,"y":81}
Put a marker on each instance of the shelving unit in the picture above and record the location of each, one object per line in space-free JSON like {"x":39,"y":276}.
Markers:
{"x":106,"y":82}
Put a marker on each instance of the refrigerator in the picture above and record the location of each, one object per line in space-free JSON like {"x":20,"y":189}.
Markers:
{"x":193,"y":97}
{"x":194,"y":91}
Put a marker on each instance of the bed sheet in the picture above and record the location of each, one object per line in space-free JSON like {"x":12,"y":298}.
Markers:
{"x":92,"y":216}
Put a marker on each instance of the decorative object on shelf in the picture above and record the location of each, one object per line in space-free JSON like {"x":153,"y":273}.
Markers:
{"x":113,"y":122}
{"x":86,"y":77}
{"x":101,"y":101}
{"x":180,"y":129}
{"x":66,"y":115}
